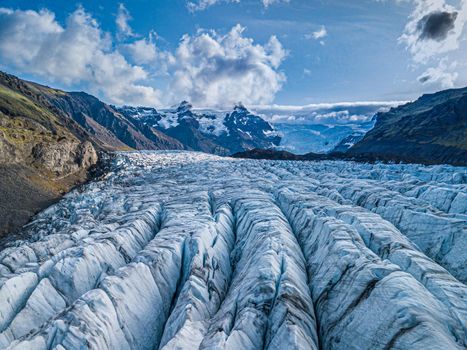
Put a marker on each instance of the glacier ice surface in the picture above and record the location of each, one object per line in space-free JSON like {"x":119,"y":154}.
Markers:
{"x":184,"y":250}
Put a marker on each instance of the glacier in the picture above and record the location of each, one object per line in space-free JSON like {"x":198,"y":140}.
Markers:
{"x":185,"y":250}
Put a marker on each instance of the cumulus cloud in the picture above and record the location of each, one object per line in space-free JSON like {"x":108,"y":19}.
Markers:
{"x":77,"y":53}
{"x":317,"y":35}
{"x":123,"y":27}
{"x":218,"y":70}
{"x":443,"y":74}
{"x":434,"y":28}
{"x":201,"y":5}
{"x":142,"y":51}
{"x":207,"y":68}
{"x":432,"y":35}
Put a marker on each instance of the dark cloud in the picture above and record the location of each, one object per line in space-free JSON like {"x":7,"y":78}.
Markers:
{"x":436,"y":25}
{"x":424,"y":79}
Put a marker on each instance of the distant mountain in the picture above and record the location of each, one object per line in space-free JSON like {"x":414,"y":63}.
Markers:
{"x":319,"y":128}
{"x":431,"y":130}
{"x":218,"y":132}
{"x":318,"y":138}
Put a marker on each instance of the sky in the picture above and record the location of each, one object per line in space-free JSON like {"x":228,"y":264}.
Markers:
{"x":215,"y":53}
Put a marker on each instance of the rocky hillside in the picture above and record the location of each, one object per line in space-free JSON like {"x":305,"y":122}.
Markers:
{"x":108,"y":128}
{"x":431,"y":130}
{"x":42,"y":153}
{"x":49,"y":140}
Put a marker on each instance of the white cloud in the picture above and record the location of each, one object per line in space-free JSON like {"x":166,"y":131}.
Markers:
{"x":434,"y":28}
{"x":306,"y":71}
{"x":324,"y":113}
{"x":145,"y":52}
{"x":219,"y":70}
{"x":207,"y":68}
{"x":443,"y":75}
{"x":141,"y":51}
{"x":123,"y":27}
{"x":267,"y":3}
{"x":201,"y":5}
{"x":321,"y":106}
{"x":317,"y":35}
{"x":432,"y":36}
{"x":77,"y":53}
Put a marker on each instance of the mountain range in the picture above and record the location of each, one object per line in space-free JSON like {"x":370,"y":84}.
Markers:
{"x":217,"y":132}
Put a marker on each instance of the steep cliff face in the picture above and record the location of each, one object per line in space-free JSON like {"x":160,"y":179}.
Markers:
{"x":64,"y":157}
{"x":431,"y":130}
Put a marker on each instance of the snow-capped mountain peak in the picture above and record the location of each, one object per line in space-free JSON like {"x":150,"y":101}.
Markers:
{"x":184,"y":107}
{"x":211,"y":131}
{"x":240,"y":108}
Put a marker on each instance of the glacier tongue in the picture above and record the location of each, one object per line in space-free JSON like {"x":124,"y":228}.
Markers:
{"x":183,"y":250}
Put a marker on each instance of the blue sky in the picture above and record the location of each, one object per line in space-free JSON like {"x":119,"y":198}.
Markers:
{"x":292,"y":52}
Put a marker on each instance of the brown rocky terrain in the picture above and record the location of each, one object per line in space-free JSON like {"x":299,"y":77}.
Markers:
{"x":42,"y":153}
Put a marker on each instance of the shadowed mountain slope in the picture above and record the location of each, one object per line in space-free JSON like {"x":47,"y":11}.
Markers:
{"x":431,"y":130}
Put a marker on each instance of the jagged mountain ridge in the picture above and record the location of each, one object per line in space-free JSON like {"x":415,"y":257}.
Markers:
{"x":107,"y":128}
{"x":218,"y":132}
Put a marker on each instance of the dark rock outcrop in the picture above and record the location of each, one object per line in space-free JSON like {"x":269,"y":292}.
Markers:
{"x":273,"y":154}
